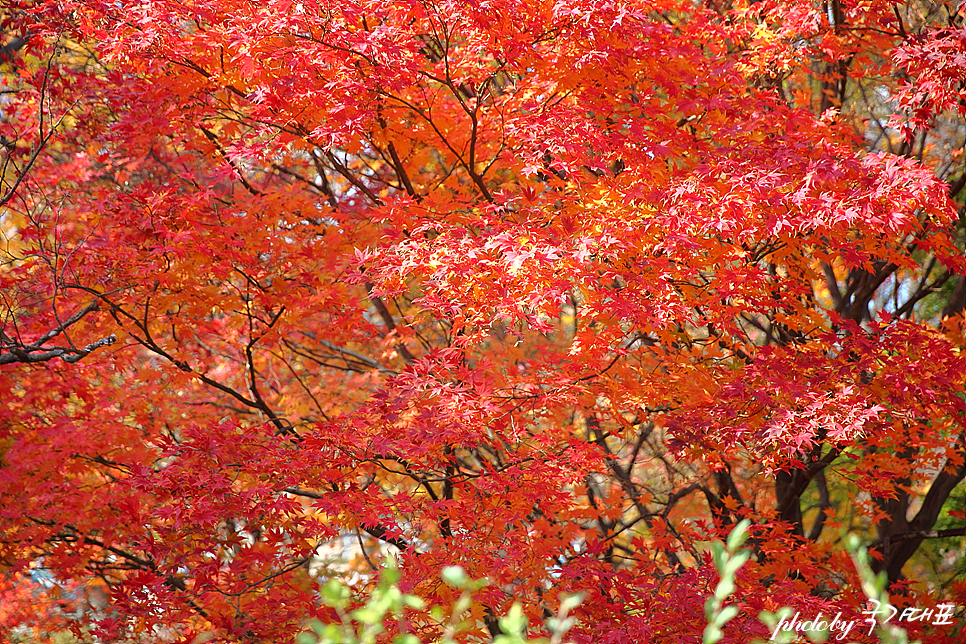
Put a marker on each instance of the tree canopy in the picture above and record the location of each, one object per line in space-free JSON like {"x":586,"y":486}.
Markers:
{"x":554,"y":290}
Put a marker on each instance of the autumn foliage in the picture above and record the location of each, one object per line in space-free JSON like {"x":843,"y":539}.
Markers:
{"x":554,"y":290}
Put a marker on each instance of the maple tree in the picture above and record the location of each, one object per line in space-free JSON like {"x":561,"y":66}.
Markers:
{"x":557,"y":291}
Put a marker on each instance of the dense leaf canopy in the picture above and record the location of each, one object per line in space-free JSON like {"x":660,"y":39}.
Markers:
{"x":555,"y":290}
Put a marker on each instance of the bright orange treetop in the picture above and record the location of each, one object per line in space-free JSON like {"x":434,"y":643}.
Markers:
{"x":554,"y":290}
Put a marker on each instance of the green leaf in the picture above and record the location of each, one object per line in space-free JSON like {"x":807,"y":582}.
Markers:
{"x":739,"y":535}
{"x":455,"y":576}
{"x":726,"y":615}
{"x":306,"y":638}
{"x":405,"y":638}
{"x":570,"y":602}
{"x":712,"y":634}
{"x":515,"y":622}
{"x":725,"y":587}
{"x":335,"y":594}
